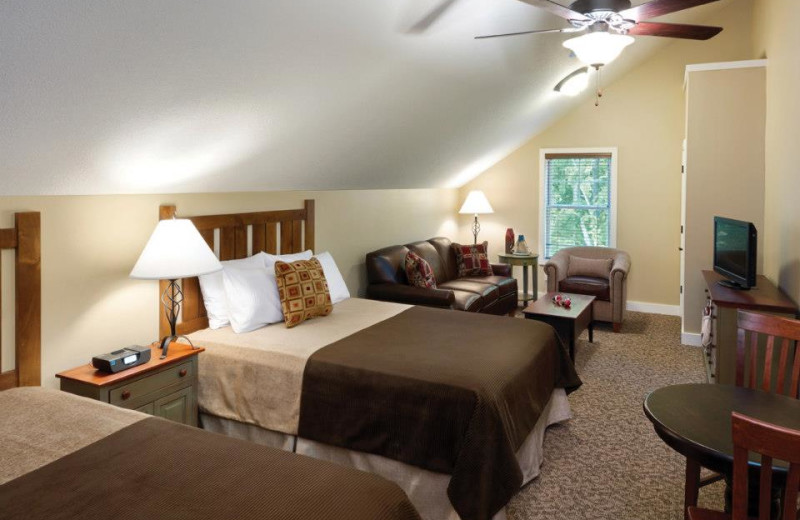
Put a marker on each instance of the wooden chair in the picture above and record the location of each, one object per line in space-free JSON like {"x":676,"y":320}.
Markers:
{"x":780,"y":333}
{"x":771,"y":442}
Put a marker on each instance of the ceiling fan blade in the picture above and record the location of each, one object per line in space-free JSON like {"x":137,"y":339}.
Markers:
{"x":674,"y":30}
{"x":430,"y":18}
{"x":565,"y":30}
{"x":660,"y":7}
{"x":556,"y":9}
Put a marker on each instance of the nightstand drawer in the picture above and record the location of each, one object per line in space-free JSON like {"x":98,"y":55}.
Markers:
{"x":130,"y":392}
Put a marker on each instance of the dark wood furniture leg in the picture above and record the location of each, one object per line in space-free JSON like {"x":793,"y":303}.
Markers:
{"x":691,"y":486}
{"x":617,"y":327}
{"x":591,"y":331}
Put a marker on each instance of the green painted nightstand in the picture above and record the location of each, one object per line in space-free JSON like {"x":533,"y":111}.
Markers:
{"x":525,"y":261}
{"x":162,"y":387}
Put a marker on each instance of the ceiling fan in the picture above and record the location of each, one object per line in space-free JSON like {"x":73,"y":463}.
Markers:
{"x":608,"y":25}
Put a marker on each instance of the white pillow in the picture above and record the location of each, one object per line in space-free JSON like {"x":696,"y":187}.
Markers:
{"x":270,"y":260}
{"x":252,"y":297}
{"x":213,"y":290}
{"x":336,"y":285}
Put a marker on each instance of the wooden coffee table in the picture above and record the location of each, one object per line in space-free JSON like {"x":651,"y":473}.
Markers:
{"x":569,"y":323}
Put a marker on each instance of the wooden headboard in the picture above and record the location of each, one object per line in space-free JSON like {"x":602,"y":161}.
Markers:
{"x":274,"y":232}
{"x":24,"y":239}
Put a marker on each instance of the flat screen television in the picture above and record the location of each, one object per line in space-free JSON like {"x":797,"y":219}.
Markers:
{"x":735,"y":252}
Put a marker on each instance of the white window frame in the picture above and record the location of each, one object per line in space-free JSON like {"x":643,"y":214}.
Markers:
{"x":612,"y":236}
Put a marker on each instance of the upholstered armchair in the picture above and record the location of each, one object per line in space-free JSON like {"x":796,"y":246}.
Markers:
{"x":601,"y":272}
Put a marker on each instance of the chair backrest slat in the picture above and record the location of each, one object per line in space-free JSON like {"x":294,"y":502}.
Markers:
{"x":755,"y":326}
{"x":771,"y":442}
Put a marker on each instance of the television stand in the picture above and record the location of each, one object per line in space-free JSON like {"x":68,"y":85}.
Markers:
{"x":733,"y":285}
{"x":765,"y":297}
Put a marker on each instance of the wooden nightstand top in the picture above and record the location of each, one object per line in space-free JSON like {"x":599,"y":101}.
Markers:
{"x":90,"y":375}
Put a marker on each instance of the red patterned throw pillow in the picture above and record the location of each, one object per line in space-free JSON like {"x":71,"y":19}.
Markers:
{"x":473,"y":260}
{"x":419,"y":271}
{"x":303,"y":291}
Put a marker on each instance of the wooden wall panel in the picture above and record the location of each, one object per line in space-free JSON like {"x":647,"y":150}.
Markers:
{"x":28,"y":299}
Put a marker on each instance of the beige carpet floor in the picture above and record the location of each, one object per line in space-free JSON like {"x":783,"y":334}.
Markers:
{"x":607,"y":462}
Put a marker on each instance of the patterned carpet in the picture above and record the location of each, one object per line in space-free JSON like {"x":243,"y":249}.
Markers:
{"x":607,"y":462}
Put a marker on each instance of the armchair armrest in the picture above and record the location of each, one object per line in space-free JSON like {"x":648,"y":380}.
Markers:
{"x":556,"y":270}
{"x":409,"y":294}
{"x":501,"y":269}
{"x":621,"y":265}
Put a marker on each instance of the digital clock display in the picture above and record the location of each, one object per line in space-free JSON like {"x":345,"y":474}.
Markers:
{"x":127,"y":360}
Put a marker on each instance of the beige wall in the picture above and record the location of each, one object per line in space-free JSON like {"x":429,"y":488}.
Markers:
{"x":89,"y":245}
{"x":776,"y":37}
{"x":725,"y":168}
{"x":642,"y":115}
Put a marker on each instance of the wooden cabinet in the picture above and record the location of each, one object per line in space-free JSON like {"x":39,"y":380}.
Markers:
{"x":162,"y":387}
{"x":764,"y":297}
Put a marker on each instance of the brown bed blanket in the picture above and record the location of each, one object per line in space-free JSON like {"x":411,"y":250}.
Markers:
{"x":158,"y":469}
{"x":452,"y":392}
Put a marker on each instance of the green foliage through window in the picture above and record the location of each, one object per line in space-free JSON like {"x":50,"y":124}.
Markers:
{"x":578,"y":201}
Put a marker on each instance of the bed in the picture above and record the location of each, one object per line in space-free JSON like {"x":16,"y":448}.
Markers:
{"x":66,"y":457}
{"x":451,"y":406}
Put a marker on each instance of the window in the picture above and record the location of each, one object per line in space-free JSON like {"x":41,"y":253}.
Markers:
{"x":577,"y":199}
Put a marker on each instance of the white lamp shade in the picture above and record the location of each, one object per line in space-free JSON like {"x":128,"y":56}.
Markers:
{"x":476,"y":203}
{"x":598,"y":48}
{"x":175,"y":250}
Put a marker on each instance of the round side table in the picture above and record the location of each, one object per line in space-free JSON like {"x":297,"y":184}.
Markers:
{"x":525,"y":261}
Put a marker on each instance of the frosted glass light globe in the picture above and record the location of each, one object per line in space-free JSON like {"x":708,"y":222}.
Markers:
{"x":598,"y":48}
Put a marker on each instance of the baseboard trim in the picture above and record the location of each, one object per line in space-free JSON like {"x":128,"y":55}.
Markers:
{"x":654,"y":308}
{"x":691,"y":338}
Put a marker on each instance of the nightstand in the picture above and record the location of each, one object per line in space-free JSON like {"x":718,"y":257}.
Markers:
{"x":162,"y":387}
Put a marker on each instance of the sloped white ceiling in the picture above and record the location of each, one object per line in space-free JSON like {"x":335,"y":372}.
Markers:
{"x":153,"y":96}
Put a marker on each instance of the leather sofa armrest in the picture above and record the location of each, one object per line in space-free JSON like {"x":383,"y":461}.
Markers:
{"x":501,"y":269}
{"x":409,"y":294}
{"x":556,"y":270}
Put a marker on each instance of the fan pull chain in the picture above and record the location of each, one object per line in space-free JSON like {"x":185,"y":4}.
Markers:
{"x":599,"y":91}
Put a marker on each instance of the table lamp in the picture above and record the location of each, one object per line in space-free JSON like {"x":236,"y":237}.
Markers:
{"x":175,"y":250}
{"x":476,"y":203}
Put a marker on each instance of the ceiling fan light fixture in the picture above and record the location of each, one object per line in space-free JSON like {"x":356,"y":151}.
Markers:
{"x":598,"y":48}
{"x":574,"y":83}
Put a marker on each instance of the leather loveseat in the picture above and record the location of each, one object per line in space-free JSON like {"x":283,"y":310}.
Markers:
{"x":386,"y":276}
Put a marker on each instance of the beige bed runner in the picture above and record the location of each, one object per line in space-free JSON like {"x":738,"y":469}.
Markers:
{"x":257,"y":377}
{"x":40,"y":425}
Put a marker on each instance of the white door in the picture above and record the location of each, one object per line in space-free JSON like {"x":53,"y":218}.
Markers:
{"x":682,"y":242}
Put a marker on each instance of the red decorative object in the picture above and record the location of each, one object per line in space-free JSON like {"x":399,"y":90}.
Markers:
{"x":562,"y":301}
{"x":509,"y":241}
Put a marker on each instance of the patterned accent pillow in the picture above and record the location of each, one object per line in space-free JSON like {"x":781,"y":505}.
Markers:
{"x":419,"y":271}
{"x":303,"y":291}
{"x":473,"y":260}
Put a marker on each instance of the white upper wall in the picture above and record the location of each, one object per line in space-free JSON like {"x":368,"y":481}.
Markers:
{"x":147,"y":96}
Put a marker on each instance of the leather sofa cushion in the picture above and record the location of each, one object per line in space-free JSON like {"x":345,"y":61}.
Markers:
{"x":467,"y":301}
{"x":488,"y":293}
{"x":597,"y":287}
{"x":387,"y":265}
{"x":427,"y":252}
{"x":448,"y":256}
{"x":506,"y":285}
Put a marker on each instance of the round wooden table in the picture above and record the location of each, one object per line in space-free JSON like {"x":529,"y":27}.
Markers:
{"x":695,"y":421}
